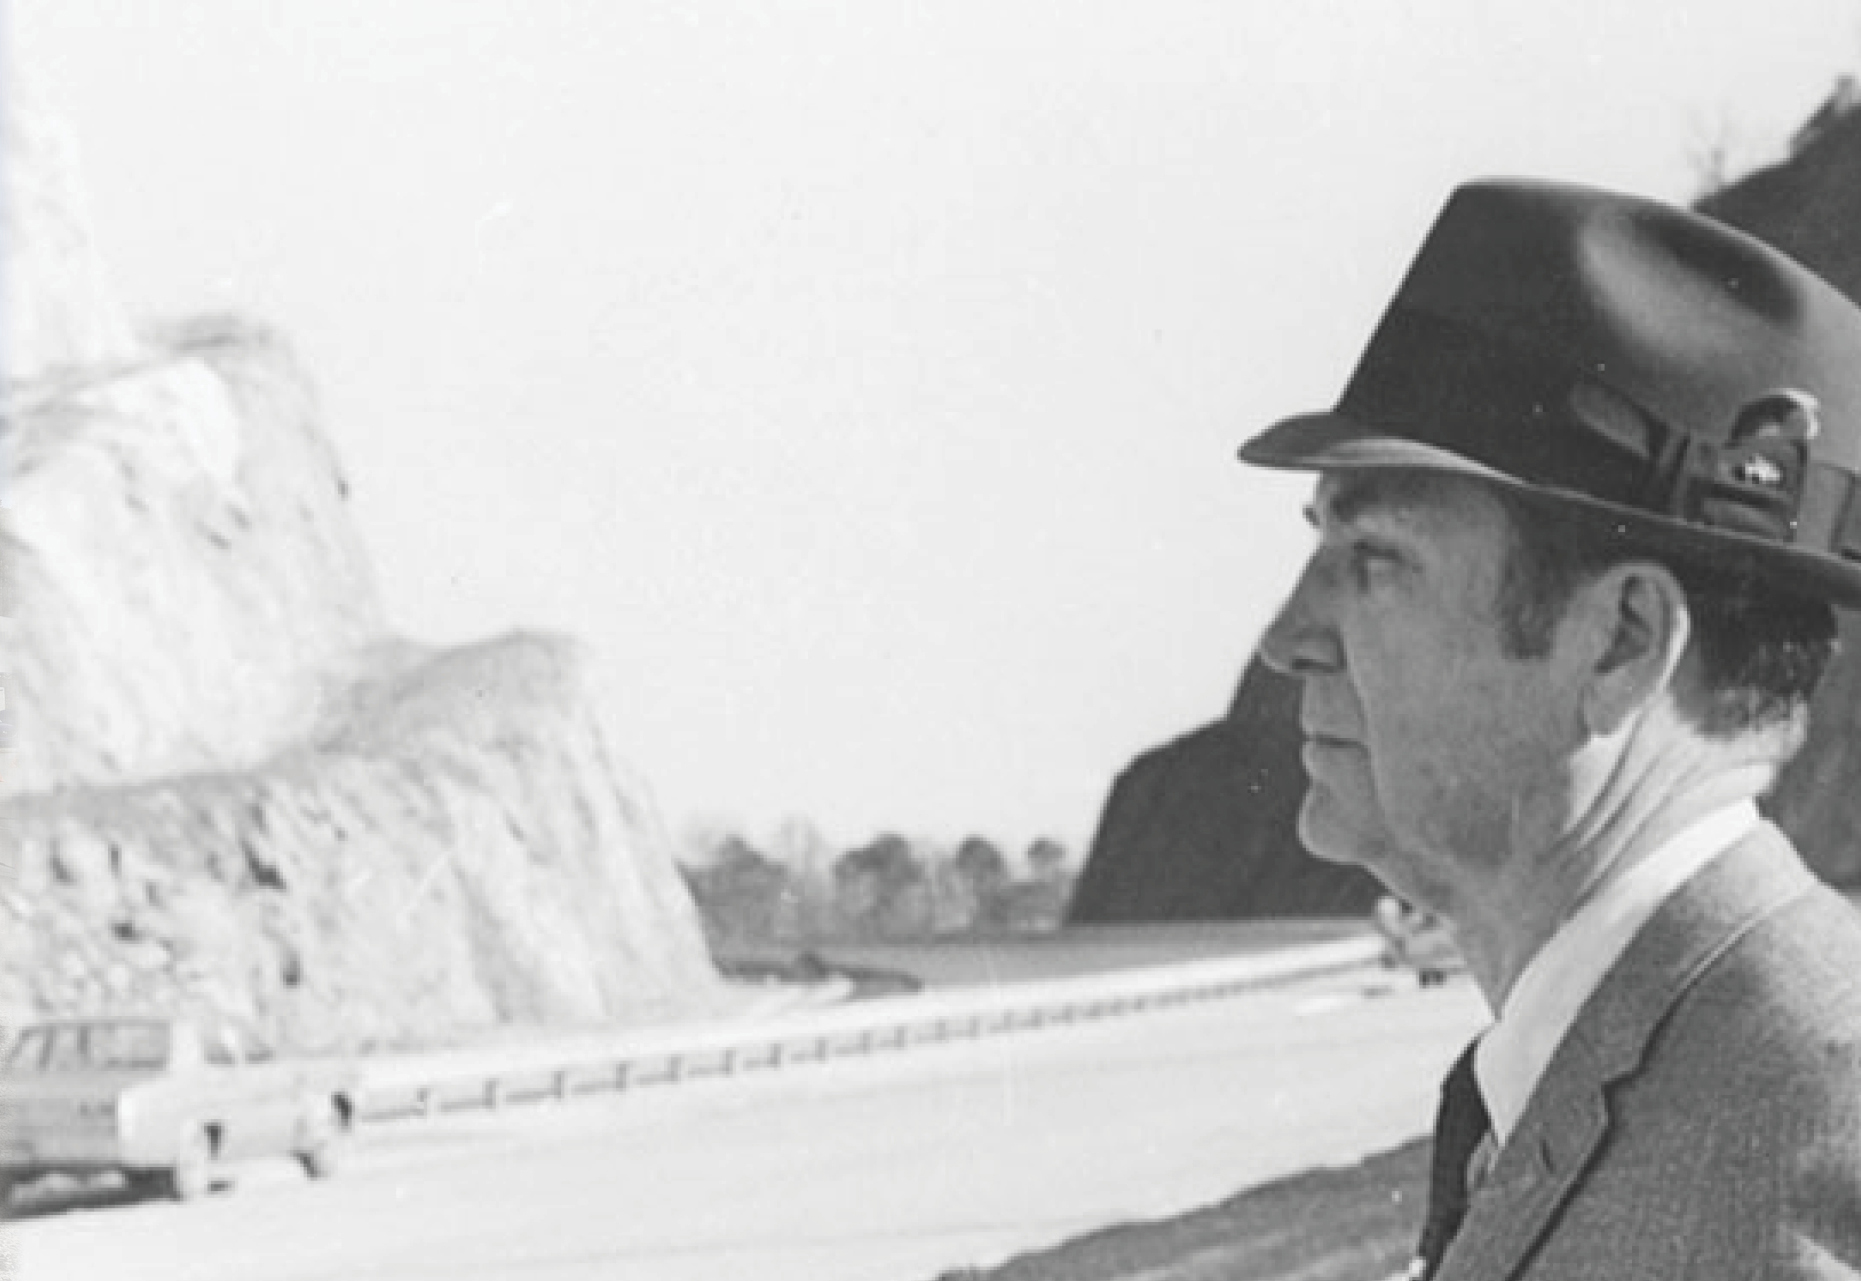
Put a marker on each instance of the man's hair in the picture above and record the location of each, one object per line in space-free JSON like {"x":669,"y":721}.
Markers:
{"x":1762,"y":652}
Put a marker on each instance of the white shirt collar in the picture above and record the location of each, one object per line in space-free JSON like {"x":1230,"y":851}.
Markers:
{"x":1548,"y":995}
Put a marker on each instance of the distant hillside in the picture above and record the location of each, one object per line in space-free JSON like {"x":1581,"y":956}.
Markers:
{"x":228,"y":783}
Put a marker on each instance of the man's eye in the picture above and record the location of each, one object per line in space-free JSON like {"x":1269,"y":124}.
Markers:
{"x":1368,"y":559}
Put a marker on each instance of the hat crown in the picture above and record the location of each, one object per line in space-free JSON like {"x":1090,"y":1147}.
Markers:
{"x":1697,"y":386}
{"x":1688,"y":318}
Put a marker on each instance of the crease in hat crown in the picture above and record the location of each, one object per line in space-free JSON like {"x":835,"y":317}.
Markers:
{"x":1610,"y":352}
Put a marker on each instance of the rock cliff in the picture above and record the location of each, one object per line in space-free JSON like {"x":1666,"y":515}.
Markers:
{"x":1204,"y":826}
{"x":227,"y":782}
{"x":1201,"y":827}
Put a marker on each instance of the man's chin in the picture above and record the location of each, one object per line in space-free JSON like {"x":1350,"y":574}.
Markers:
{"x":1331,"y":838}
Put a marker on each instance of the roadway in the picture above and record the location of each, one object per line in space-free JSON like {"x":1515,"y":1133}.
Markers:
{"x":893,"y":1168}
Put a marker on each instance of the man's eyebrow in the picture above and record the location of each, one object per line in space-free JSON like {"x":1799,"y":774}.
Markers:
{"x":1388,"y":494}
{"x":1348,"y":500}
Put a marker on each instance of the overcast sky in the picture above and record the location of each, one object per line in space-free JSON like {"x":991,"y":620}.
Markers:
{"x":859,"y":380}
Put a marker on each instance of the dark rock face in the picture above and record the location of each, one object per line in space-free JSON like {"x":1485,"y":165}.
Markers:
{"x":1810,"y":207}
{"x":1203,"y":827}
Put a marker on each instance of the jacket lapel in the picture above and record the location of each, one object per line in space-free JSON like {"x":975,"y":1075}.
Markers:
{"x":1543,"y":1162}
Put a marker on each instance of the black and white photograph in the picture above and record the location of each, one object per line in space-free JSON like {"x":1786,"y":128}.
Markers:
{"x":877,"y":640}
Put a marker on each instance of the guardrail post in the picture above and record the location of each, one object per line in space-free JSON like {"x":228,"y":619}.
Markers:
{"x":562,"y":1084}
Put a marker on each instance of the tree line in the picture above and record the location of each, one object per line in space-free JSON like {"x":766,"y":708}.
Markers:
{"x":801,"y":890}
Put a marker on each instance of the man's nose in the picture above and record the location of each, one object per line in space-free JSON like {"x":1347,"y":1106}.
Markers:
{"x":1300,"y":640}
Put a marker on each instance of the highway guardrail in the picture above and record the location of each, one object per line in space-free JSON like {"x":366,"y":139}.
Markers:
{"x":560,"y":1069}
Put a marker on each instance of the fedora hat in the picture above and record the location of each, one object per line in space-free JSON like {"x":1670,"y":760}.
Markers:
{"x":1690,"y":387}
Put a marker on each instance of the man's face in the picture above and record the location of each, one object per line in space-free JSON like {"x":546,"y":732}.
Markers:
{"x":1426,"y":744}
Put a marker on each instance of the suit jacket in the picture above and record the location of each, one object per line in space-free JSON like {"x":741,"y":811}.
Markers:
{"x":1702,"y":1117}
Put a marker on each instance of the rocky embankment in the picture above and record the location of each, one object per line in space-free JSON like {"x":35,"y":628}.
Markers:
{"x":227,"y":781}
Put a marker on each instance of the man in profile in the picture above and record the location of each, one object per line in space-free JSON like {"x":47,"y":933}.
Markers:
{"x":1583,"y":513}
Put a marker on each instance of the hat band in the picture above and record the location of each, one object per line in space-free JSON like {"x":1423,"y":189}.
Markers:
{"x":1442,"y":383}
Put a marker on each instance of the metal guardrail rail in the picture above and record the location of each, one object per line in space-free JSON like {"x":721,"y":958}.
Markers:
{"x":562,"y":1069}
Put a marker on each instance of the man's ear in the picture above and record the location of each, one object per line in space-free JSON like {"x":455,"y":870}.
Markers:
{"x":1637,"y":625}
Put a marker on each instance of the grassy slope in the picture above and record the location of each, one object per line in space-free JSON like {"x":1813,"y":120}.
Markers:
{"x":1352,"y":1224}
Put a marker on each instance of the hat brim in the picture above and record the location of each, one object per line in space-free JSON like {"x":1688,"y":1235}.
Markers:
{"x":1332,"y":442}
{"x":1326,"y":442}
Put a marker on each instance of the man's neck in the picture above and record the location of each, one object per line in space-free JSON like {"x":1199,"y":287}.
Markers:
{"x":1501,"y":926}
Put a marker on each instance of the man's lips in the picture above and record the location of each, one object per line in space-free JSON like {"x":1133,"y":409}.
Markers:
{"x":1321,"y":738}
{"x":1320,"y":746}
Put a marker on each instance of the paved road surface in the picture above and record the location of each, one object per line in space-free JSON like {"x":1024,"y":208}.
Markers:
{"x":891,"y":1169}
